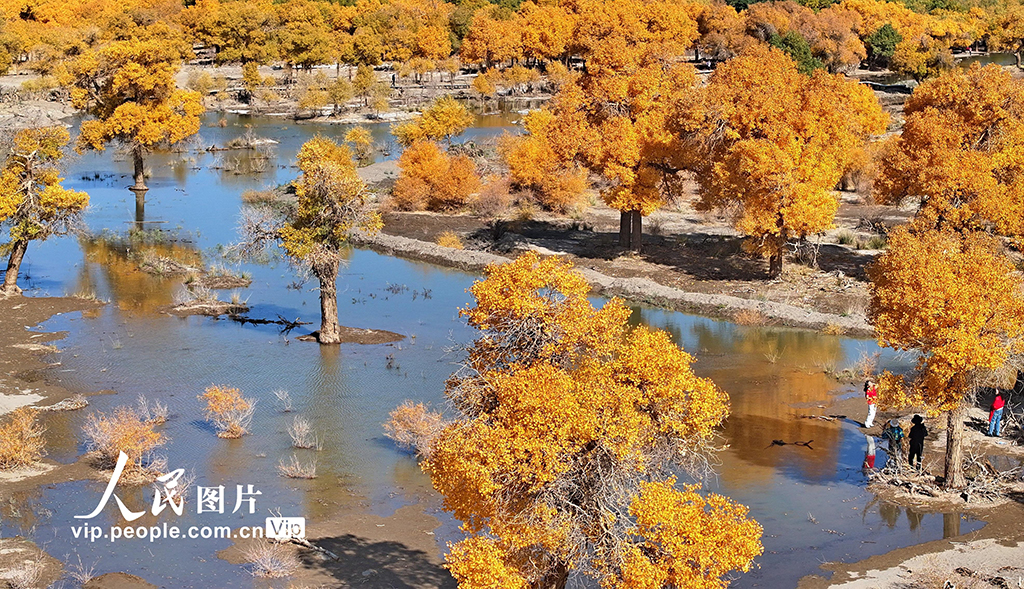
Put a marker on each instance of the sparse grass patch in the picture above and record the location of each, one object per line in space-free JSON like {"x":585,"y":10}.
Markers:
{"x":414,"y":426}
{"x":296,"y":469}
{"x":229,"y":411}
{"x":21,"y":439}
{"x":450,"y":240}
{"x":846,"y":238}
{"x":271,"y":560}
{"x":749,"y":317}
{"x":252,"y":196}
{"x":877,"y":242}
{"x":123,"y":430}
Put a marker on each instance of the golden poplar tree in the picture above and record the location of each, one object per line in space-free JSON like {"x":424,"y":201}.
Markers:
{"x":959,"y":153}
{"x":443,"y":119}
{"x":33,"y":204}
{"x":128,"y":87}
{"x":568,"y":426}
{"x":773,"y":144}
{"x":614,"y":118}
{"x":957,"y":300}
{"x":331,"y":205}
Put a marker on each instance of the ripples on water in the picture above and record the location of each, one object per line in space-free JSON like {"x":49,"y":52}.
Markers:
{"x":347,"y":391}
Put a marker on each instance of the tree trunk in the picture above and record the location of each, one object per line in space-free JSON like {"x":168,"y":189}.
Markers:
{"x":631,"y":230}
{"x":637,"y":238}
{"x":327,"y":273}
{"x":954,"y":472}
{"x":10,"y":286}
{"x":556,"y":578}
{"x":775,"y":264}
{"x":846,"y":184}
{"x":140,"y":171}
{"x":625,"y":228}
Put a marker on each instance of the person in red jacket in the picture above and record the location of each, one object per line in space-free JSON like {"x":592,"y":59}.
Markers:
{"x":871,"y":394}
{"x":996,"y":415}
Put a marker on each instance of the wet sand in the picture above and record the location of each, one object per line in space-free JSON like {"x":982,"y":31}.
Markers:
{"x":23,"y":377}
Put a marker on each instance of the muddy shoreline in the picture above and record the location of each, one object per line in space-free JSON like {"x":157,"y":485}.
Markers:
{"x":995,"y":550}
{"x":23,"y":371}
{"x":636,"y":289}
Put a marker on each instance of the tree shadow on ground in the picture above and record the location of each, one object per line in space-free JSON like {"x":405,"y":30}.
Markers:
{"x":704,"y":256}
{"x":378,"y":564}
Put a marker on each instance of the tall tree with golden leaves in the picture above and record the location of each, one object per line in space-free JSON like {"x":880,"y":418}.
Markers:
{"x":959,"y":155}
{"x":33,"y":204}
{"x":331,"y":205}
{"x":773,"y":143}
{"x":957,"y":300}
{"x":568,"y":427}
{"x":128,"y":86}
{"x":614,"y":118}
{"x":443,"y":119}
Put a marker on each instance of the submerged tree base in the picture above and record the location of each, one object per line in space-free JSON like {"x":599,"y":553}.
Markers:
{"x":353,"y":335}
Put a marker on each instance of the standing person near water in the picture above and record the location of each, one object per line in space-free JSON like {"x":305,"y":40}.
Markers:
{"x":871,"y":394}
{"x":996,"y":415}
{"x":917,"y":435}
{"x":893,"y":432}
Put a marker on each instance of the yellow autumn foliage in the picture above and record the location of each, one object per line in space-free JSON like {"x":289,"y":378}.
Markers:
{"x":432,"y":179}
{"x":567,"y":416}
{"x":773,"y":143}
{"x":954,"y":298}
{"x":443,"y":119}
{"x":961,"y":153}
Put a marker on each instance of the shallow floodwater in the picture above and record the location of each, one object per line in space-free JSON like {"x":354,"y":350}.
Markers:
{"x":964,"y":60}
{"x":811,"y":500}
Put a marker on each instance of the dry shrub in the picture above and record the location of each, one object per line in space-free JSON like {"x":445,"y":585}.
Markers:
{"x":451,"y":240}
{"x":494,"y":199}
{"x":749,"y":317}
{"x":434,"y":180}
{"x":229,"y":411}
{"x":296,"y":469}
{"x":931,"y":576}
{"x":833,"y":329}
{"x":414,"y":426}
{"x":302,"y":434}
{"x":25,"y":575}
{"x":253,"y":196}
{"x":21,"y":439}
{"x":271,"y":560}
{"x":284,"y":400}
{"x":79,"y":572}
{"x":155,"y":413}
{"x":124,"y":430}
{"x":866,"y":367}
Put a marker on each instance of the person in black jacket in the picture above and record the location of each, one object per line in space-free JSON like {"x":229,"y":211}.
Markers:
{"x":917,"y":435}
